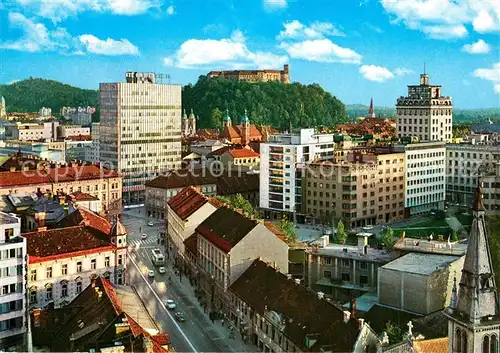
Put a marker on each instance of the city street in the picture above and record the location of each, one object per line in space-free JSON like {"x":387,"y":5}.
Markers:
{"x":197,"y":333}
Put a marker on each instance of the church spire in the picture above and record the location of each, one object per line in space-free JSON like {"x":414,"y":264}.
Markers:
{"x":477,"y":293}
{"x":371,"y":111}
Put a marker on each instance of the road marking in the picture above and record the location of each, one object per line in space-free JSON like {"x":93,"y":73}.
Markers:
{"x":164,"y":307}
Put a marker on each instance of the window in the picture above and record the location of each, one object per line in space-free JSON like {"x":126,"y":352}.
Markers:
{"x":48,"y":293}
{"x":78,"y":287}
{"x":106,"y":261}
{"x":345,"y":262}
{"x":327,"y":260}
{"x":327,"y":274}
{"x":64,"y":290}
{"x":346,"y":277}
{"x":93,"y":264}
{"x":33,"y":296}
{"x":9,"y":232}
{"x":363,"y":265}
{"x":79,"y":266}
{"x":49,"y":272}
{"x":64,"y":269}
{"x":363,"y":280}
{"x":120,"y":259}
{"x":33,"y":275}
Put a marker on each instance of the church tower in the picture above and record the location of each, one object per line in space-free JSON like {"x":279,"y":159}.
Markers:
{"x":245,"y":129}
{"x":3,"y":110}
{"x":473,"y":315}
{"x":227,"y":119}
{"x":191,"y":123}
{"x":371,"y":111}
{"x":184,"y":123}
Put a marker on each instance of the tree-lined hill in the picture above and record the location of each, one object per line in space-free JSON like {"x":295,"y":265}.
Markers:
{"x":270,"y":103}
{"x":31,"y":94}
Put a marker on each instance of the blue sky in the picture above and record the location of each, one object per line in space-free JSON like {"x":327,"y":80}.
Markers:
{"x":355,"y":49}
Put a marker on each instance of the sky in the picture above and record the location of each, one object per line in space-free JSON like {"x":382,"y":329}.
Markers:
{"x":355,"y":49}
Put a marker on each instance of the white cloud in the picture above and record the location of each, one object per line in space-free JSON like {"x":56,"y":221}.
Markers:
{"x":492,"y":74}
{"x":402,"y":71}
{"x":445,"y":31}
{"x":446,"y":19}
{"x":321,"y":50}
{"x":271,"y":5}
{"x":170,"y":10}
{"x":230,"y":52}
{"x":58,"y":10}
{"x":38,"y":38}
{"x":375,"y":73}
{"x":317,"y":30}
{"x":108,"y":46}
{"x":479,"y":47}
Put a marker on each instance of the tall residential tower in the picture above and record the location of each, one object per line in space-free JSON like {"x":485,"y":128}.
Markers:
{"x":425,"y":113}
{"x":140,"y":130}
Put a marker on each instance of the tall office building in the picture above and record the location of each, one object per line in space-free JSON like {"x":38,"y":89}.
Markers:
{"x":13,"y":284}
{"x":425,"y":113}
{"x":140,"y":130}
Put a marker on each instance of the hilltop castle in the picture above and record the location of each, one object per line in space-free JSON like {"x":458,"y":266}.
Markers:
{"x":282,"y":76}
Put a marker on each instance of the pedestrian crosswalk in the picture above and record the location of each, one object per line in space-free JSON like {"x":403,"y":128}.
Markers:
{"x":143,"y":242}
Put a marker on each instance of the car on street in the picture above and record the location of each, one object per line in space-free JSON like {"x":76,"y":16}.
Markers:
{"x":151,"y":223}
{"x":162,"y":270}
{"x":151,"y":273}
{"x":144,"y":236}
{"x":179,"y":316}
{"x":170,"y":304}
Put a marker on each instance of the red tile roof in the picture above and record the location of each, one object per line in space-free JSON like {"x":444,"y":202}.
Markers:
{"x":230,"y":133}
{"x":66,"y":242}
{"x":437,"y":345}
{"x":264,"y":289}
{"x":82,"y":216}
{"x":243,"y":153}
{"x":252,"y":132}
{"x":82,"y":196}
{"x":10,"y":179}
{"x":187,"y":202}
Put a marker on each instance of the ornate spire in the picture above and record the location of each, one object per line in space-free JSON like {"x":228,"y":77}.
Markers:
{"x":244,"y":118}
{"x":371,"y":111}
{"x":184,"y":115}
{"x":191,"y":115}
{"x":227,"y":118}
{"x":453,"y":299}
{"x":477,"y":293}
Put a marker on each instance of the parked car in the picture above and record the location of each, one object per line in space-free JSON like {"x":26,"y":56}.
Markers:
{"x":179,"y":316}
{"x":151,"y":273}
{"x":151,"y":223}
{"x":170,"y":304}
{"x":162,"y":270}
{"x":144,"y":236}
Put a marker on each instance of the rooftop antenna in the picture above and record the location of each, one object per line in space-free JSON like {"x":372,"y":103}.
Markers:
{"x":424,"y":68}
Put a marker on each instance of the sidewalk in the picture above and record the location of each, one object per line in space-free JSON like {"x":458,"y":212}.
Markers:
{"x":236,"y":344}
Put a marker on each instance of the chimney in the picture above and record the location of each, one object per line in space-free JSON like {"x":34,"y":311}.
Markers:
{"x":288,"y":276}
{"x":12,"y":169}
{"x":353,"y":307}
{"x":321,"y":295}
{"x":297,"y":280}
{"x":361,"y":323}
{"x":40,"y":218}
{"x":347,"y":316}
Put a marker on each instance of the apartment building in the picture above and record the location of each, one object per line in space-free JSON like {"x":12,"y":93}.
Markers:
{"x":366,"y":188}
{"x":424,"y":112}
{"x":425,"y":168}
{"x":464,"y":164}
{"x":67,"y":131}
{"x":92,"y":151}
{"x":185,"y":212}
{"x":282,"y":160}
{"x":227,"y":244}
{"x":32,"y":131}
{"x":64,"y":261}
{"x":29,"y":176}
{"x":140,"y":130}
{"x":342,"y":272}
{"x":13,"y":284}
{"x":276,"y":314}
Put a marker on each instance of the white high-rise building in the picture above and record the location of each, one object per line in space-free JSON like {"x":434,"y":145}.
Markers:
{"x":282,"y":160}
{"x":425,"y":113}
{"x":12,"y":284}
{"x":140,"y":130}
{"x":425,"y":176}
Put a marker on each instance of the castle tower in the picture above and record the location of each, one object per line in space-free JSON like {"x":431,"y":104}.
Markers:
{"x":3,"y":110}
{"x":227,"y":119}
{"x":371,"y":111}
{"x":118,"y":235}
{"x":474,"y":316}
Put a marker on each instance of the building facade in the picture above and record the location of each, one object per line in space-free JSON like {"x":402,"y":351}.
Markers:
{"x":140,"y":130}
{"x":425,"y":113}
{"x":13,"y":266}
{"x":425,"y":168}
{"x":64,"y":261}
{"x":282,"y":76}
{"x":227,"y":244}
{"x":365,"y":189}
{"x":67,"y":131}
{"x":282,"y":160}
